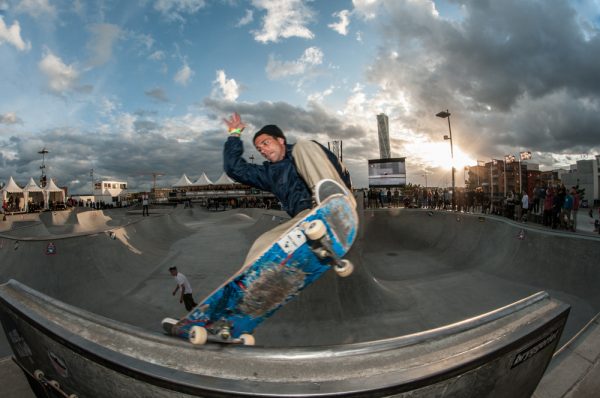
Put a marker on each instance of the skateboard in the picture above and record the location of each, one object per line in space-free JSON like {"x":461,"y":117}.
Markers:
{"x":301,"y":254}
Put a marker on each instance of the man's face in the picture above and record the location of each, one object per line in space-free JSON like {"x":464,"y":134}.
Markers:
{"x":272,"y":148}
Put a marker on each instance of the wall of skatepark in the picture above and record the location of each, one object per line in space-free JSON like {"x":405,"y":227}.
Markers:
{"x":414,"y":271}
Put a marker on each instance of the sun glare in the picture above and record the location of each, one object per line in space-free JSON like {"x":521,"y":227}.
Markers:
{"x":437,"y":155}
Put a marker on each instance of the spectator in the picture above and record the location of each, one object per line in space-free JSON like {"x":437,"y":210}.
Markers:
{"x":575,"y":208}
{"x":145,"y":211}
{"x":186,"y":289}
{"x":524,"y":206}
{"x":565,"y":216}
{"x":547,"y":218}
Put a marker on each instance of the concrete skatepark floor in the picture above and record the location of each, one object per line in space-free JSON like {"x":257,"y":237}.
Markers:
{"x":413,"y":271}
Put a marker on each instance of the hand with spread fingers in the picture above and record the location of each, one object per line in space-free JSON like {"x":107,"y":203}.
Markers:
{"x":235,"y":126}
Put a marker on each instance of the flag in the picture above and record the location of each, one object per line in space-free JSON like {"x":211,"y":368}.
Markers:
{"x":509,"y":158}
{"x":525,"y":155}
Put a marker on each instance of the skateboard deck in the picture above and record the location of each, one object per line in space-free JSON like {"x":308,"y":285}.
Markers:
{"x":277,"y":275}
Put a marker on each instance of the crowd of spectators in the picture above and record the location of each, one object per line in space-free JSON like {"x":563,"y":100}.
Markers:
{"x":553,"y":206}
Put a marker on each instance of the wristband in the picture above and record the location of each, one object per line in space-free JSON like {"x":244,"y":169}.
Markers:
{"x":237,"y":131}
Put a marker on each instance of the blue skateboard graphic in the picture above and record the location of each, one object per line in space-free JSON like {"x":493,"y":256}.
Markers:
{"x":299,"y":257}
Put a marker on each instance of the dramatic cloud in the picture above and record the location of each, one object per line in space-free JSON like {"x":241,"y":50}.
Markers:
{"x":284,"y":19}
{"x":515,"y":73}
{"x":12,"y":35}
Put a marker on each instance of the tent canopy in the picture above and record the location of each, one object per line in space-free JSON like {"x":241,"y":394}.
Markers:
{"x":32,"y":186}
{"x":202,"y":181}
{"x":53,"y":193}
{"x":12,"y":190}
{"x":12,"y":187}
{"x":225,"y":180}
{"x":184,"y":181}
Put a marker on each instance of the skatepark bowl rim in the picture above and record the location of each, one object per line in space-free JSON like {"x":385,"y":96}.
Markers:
{"x":445,"y":223}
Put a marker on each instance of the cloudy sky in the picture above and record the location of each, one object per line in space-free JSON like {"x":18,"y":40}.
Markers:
{"x":130,"y":88}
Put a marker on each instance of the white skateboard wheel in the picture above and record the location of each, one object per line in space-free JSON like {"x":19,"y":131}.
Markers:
{"x":315,"y":230}
{"x":55,"y":384}
{"x":198,"y":335}
{"x":247,"y":339}
{"x":38,"y":374}
{"x":345,"y":268}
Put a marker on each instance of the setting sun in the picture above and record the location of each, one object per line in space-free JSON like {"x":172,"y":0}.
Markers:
{"x":437,"y":155}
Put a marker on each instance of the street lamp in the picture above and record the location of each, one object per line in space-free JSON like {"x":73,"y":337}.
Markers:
{"x":92,"y":178}
{"x":43,"y":152}
{"x":446,"y":115}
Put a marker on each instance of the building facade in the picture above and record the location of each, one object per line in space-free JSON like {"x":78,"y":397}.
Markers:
{"x":586,"y":175}
{"x":110,"y":192}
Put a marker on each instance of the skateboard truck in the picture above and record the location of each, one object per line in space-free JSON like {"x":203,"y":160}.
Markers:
{"x":316,"y":232}
{"x":199,"y":335}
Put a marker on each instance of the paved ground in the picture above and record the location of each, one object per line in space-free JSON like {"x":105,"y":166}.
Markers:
{"x":415,"y":271}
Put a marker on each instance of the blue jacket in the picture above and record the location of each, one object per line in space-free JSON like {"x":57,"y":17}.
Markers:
{"x":280,"y":178}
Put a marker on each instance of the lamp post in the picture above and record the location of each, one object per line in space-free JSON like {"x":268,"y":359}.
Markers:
{"x":43,"y":152}
{"x":92,"y":178}
{"x":446,"y":115}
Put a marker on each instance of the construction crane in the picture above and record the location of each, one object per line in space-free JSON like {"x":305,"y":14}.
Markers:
{"x":154,"y":176}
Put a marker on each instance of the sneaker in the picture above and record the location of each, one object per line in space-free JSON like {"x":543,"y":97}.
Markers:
{"x":326,"y":188}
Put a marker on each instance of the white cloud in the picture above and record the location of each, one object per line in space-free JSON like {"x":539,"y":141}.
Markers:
{"x":157,"y":56}
{"x":342,"y":25}
{"x":367,"y":8}
{"x":107,"y":107}
{"x":173,"y":10}
{"x":12,"y":35}
{"x":184,"y":75}
{"x":284,"y":19}
{"x":225,"y":88}
{"x":61,"y":77}
{"x":246,"y":19}
{"x":36,"y":8}
{"x":10,"y":118}
{"x":311,"y":57}
{"x":319,"y":97}
{"x":101,"y":44}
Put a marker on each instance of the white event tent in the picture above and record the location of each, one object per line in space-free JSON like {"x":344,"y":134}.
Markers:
{"x":53,"y":193}
{"x":14,"y":192}
{"x":183,"y":182}
{"x":33,"y":193}
{"x":225,"y":180}
{"x":202,"y":181}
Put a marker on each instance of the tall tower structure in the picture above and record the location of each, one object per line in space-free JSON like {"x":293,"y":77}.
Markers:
{"x":383,"y":128}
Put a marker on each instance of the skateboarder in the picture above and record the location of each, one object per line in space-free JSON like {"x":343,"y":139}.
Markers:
{"x":290,"y":172}
{"x":186,"y":289}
